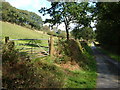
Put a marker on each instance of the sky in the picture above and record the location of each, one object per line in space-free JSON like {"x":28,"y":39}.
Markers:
{"x":31,"y":5}
{"x":34,"y":6}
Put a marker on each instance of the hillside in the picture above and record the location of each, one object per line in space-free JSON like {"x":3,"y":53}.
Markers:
{"x":20,"y":17}
{"x":18,"y":32}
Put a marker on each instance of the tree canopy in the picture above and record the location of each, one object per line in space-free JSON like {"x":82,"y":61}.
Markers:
{"x":108,"y":25}
{"x":20,"y":17}
{"x":67,"y":12}
{"x":85,"y":33}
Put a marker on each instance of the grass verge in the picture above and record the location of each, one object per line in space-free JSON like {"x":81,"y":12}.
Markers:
{"x":110,"y":54}
{"x":44,"y":72}
{"x":79,"y":67}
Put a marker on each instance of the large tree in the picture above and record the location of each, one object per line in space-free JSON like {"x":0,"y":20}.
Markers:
{"x":66,"y":12}
{"x":108,"y":25}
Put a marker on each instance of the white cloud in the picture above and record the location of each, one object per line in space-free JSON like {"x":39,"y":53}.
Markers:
{"x":20,"y":3}
{"x":62,"y":27}
{"x":40,"y":3}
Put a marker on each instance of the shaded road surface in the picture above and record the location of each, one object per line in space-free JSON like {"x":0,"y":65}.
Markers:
{"x":108,"y":71}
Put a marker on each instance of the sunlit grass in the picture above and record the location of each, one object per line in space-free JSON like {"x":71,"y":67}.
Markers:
{"x":18,"y":32}
{"x":81,"y":79}
{"x":14,"y":31}
{"x":76,"y":78}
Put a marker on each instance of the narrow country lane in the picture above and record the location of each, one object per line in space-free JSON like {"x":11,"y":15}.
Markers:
{"x":108,"y":71}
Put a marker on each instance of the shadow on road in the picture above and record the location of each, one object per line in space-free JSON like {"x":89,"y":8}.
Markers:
{"x":107,"y":69}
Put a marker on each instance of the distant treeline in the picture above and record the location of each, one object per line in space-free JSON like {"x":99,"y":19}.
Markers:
{"x":20,"y":17}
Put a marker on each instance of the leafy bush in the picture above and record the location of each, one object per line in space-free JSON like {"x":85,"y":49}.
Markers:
{"x":9,"y":53}
{"x":51,"y":76}
{"x":19,"y":72}
{"x":73,"y":52}
{"x":68,"y":51}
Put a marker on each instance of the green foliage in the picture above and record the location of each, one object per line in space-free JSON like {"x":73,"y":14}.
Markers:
{"x":108,"y":26}
{"x":86,"y":76}
{"x":45,"y":29}
{"x":72,"y":51}
{"x":20,"y":17}
{"x":43,"y":73}
{"x":81,"y":79}
{"x":85,"y":33}
{"x":52,"y":76}
{"x":67,"y":12}
{"x":112,"y":55}
{"x":90,"y":63}
{"x":68,"y":51}
{"x":9,"y":53}
{"x":16,"y":72}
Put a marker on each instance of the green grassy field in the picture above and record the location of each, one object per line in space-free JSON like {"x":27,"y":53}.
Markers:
{"x":14,"y":31}
{"x":18,"y":32}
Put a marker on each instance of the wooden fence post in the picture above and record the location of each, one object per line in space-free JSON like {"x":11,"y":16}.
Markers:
{"x":51,"y":46}
{"x":6,"y":40}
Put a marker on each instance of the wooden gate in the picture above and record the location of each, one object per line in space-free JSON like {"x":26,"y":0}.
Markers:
{"x":36,"y":47}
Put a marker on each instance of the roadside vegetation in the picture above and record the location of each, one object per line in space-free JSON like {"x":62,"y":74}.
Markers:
{"x":60,"y":71}
{"x":108,"y":26}
{"x":110,"y":54}
{"x":20,"y":72}
{"x":83,"y":74}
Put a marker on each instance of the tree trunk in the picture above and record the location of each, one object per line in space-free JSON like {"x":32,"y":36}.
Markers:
{"x":67,"y":32}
